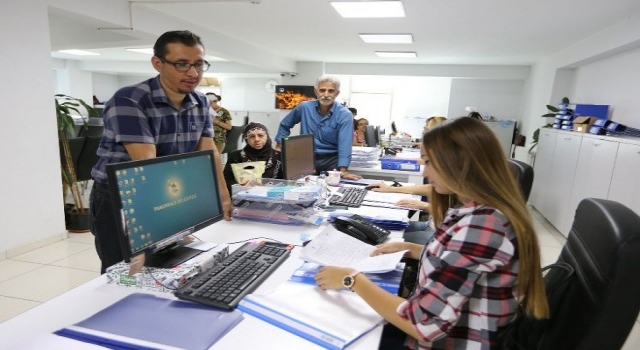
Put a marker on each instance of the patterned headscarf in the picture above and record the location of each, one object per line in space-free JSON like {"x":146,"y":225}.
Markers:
{"x":257,"y":154}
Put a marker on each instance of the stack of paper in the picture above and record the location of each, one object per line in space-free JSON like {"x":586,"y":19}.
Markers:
{"x":365,"y":157}
{"x":334,"y":248}
{"x":144,"y":321}
{"x":332,"y":319}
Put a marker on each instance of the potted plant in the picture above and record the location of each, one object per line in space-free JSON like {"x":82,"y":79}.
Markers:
{"x":76,"y":216}
{"x":553,"y":111}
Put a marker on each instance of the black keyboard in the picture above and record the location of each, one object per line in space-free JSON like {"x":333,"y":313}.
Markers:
{"x":224,"y":284}
{"x":351,"y":196}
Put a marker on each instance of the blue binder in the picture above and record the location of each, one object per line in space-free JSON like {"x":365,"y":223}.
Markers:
{"x":148,"y":318}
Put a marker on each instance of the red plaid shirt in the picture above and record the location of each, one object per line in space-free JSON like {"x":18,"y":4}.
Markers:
{"x":466,"y":288}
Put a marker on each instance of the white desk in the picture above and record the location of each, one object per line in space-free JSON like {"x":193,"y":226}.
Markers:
{"x":252,"y":333}
{"x":412,"y":177}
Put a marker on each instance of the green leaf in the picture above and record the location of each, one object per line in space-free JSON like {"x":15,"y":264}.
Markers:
{"x":553,"y":108}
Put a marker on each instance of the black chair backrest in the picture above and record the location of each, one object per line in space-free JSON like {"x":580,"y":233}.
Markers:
{"x":88,"y":158}
{"x":234,"y":139}
{"x":601,"y":305}
{"x":91,"y":130}
{"x":524,"y":175}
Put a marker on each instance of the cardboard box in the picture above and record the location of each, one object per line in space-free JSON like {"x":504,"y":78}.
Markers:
{"x":583,"y":124}
{"x":166,"y":280}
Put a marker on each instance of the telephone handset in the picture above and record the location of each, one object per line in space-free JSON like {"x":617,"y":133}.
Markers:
{"x":361,"y":228}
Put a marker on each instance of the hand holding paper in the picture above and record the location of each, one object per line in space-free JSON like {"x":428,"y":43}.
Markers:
{"x":334,"y":248}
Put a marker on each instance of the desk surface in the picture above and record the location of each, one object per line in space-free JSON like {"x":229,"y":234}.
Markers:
{"x":87,"y":299}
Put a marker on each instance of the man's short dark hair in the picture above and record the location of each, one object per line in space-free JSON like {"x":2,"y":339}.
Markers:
{"x":353,"y":110}
{"x":176,"y":36}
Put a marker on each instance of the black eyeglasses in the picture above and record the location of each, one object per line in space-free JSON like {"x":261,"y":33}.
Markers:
{"x":184,"y":67}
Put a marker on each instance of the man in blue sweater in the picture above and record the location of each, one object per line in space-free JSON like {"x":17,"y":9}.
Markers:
{"x":329,"y":122}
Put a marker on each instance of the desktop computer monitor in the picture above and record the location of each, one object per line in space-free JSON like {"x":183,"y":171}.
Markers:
{"x":371,"y":136}
{"x":159,"y":201}
{"x":298,"y":156}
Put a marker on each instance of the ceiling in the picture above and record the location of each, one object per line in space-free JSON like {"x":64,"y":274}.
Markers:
{"x":271,"y":35}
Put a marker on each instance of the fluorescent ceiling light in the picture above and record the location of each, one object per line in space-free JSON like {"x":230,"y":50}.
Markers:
{"x":369,"y":9}
{"x":80,"y":52}
{"x":213,"y":58}
{"x":387,"y":38}
{"x":397,"y":54}
{"x":148,"y":51}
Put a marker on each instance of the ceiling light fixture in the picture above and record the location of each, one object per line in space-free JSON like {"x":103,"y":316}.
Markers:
{"x":387,"y":38}
{"x":397,"y":54}
{"x":79,"y":52}
{"x":369,"y":9}
{"x":148,"y":51}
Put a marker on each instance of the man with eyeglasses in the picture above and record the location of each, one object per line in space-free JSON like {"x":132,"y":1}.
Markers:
{"x":161,"y":116}
{"x":330,"y":123}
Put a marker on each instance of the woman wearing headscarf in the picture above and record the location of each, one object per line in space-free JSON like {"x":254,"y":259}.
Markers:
{"x":256,"y":160}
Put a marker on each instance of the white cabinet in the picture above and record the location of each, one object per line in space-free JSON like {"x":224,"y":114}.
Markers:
{"x":562,"y":173}
{"x":593,"y":175}
{"x":625,"y":183}
{"x":572,"y":166}
{"x":542,"y":167}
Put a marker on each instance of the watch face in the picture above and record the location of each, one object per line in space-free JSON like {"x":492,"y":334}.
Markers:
{"x":347,"y":281}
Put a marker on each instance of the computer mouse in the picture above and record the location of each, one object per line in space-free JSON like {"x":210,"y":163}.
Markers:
{"x":370,"y":187}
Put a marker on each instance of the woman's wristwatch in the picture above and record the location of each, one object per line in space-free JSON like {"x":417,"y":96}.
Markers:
{"x":350,"y":280}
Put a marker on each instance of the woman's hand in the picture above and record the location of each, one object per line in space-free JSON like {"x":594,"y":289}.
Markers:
{"x":391,"y":247}
{"x":330,"y":277}
{"x":381,"y":187}
{"x":413,"y":204}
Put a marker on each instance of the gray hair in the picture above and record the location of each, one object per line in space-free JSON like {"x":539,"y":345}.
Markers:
{"x":328,"y":78}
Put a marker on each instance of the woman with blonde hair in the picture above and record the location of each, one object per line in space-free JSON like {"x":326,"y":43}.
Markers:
{"x":483,"y":263}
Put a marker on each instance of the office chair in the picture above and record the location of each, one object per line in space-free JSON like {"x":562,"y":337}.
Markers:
{"x":524,"y":175}
{"x":234,"y":139}
{"x":91,"y":130}
{"x":600,"y":306}
{"x":88,"y":158}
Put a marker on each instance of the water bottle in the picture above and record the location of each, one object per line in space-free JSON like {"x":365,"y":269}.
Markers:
{"x":322,"y":182}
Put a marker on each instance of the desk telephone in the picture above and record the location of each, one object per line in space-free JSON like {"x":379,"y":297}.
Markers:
{"x":361,"y":228}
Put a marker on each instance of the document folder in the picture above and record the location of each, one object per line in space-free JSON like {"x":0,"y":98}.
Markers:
{"x":331,"y":319}
{"x":145,"y":321}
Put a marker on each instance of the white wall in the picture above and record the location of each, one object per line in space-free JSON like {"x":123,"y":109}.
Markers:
{"x":31,"y":205}
{"x":105,"y":85}
{"x":612,"y":81}
{"x":499,"y":98}
{"x":598,"y":54}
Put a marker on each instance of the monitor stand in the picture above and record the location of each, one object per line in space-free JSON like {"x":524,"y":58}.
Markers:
{"x":171,"y":256}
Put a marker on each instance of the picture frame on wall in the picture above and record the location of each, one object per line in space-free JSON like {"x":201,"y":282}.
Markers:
{"x":289,"y":96}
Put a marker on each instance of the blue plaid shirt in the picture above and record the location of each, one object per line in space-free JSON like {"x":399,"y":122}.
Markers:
{"x":142,"y":113}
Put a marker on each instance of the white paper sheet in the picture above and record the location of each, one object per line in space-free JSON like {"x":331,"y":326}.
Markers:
{"x":334,"y":248}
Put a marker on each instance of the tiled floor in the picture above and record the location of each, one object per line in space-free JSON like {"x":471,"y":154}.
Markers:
{"x":32,"y":278}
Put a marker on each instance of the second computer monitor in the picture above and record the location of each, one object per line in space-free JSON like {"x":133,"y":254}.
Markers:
{"x":298,"y":156}
{"x":371,"y":137}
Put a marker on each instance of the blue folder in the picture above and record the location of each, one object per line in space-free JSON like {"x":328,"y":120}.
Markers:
{"x":154,"y":319}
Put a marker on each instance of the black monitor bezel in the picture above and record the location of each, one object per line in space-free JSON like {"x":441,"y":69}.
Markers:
{"x":371,"y":134}
{"x":116,"y":205}
{"x":288,"y":140}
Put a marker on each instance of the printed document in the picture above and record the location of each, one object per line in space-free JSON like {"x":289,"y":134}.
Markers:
{"x":334,"y":248}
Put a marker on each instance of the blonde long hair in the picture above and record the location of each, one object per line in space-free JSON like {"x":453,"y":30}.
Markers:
{"x":468,"y":156}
